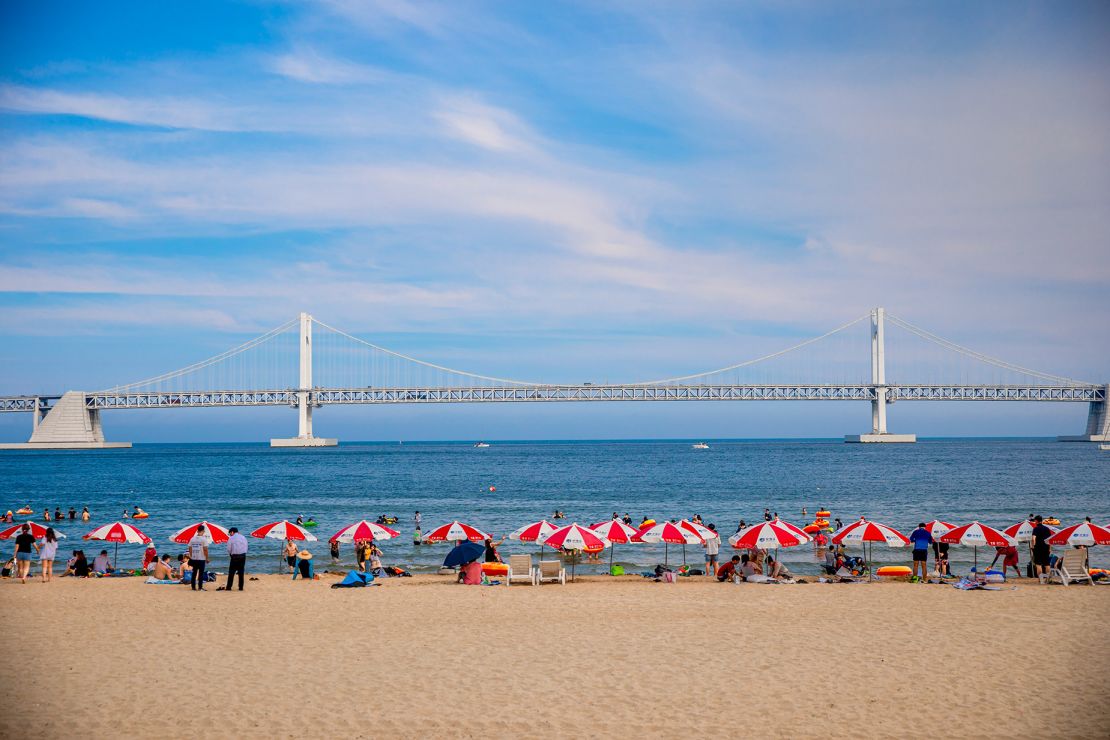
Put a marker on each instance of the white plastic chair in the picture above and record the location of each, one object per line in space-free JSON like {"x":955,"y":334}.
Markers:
{"x":520,"y":569}
{"x":551,"y":571}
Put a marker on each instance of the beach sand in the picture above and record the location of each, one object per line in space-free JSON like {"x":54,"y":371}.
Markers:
{"x":603,"y":656}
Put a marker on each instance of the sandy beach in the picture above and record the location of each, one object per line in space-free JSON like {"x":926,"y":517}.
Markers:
{"x":420,"y":656}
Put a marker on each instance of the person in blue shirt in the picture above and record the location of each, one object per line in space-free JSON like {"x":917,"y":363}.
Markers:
{"x":921,"y":540}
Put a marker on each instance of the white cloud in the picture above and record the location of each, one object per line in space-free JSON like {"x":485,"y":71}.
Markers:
{"x":309,"y":65}
{"x":485,"y":126}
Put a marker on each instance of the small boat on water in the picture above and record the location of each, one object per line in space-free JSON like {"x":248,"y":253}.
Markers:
{"x":700,"y":446}
{"x":482,"y":444}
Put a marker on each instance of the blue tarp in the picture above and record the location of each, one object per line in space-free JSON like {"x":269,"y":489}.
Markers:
{"x":354,"y":579}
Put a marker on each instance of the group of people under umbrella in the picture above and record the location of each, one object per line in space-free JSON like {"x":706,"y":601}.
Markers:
{"x":574,"y":538}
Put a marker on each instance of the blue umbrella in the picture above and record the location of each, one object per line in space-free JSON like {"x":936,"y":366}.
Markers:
{"x":466,"y":552}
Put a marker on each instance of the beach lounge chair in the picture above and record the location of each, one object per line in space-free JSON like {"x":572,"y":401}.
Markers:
{"x":520,"y":569}
{"x":1072,"y":566}
{"x":550,"y":570}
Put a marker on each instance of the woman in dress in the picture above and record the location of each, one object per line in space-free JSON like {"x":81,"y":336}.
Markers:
{"x":47,"y":547}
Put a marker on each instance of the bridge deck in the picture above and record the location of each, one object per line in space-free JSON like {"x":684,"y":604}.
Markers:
{"x":553,"y":393}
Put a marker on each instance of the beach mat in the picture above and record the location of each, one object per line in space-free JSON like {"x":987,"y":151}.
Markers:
{"x":354,"y":579}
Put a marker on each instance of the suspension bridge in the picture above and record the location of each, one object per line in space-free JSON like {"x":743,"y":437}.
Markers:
{"x":306,"y":364}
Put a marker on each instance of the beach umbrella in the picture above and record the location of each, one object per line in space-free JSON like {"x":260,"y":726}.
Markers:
{"x":669,"y":534}
{"x":283,"y":530}
{"x":800,"y":531}
{"x":976,"y":535}
{"x":463,"y":553}
{"x":37,"y":531}
{"x":456,"y":531}
{"x":867,"y":534}
{"x":766,"y":535}
{"x":118,"y":532}
{"x":576,"y":537}
{"x":214,"y":532}
{"x":364,"y":530}
{"x":1084,"y":533}
{"x":1022,"y":531}
{"x":936,"y":528}
{"x":704,"y":533}
{"x":535,"y":532}
{"x":615,"y":531}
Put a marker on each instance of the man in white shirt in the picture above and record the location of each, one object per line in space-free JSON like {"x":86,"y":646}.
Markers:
{"x":101,"y":564}
{"x":712,"y":549}
{"x":198,"y":558}
{"x":237,"y":553}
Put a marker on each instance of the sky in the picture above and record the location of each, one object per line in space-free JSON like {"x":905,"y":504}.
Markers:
{"x":551,"y":191}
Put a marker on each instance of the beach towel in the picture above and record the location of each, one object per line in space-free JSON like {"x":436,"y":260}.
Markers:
{"x":355,"y":579}
{"x":152,"y":579}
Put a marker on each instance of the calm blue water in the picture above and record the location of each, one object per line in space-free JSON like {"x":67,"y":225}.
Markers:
{"x":246,"y":485}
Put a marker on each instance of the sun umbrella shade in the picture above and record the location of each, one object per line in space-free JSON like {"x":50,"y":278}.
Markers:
{"x":1022,"y":531}
{"x":937,"y":528}
{"x":454,"y":532}
{"x":704,"y":533}
{"x":793,"y":528}
{"x":976,"y":535}
{"x":463,"y":553}
{"x":615,"y":530}
{"x":671,"y":534}
{"x":534,"y":532}
{"x":118,"y":532}
{"x":766,"y":535}
{"x":37,"y":531}
{"x":865,"y":531}
{"x":283,"y":530}
{"x":576,"y":537}
{"x":364,"y":530}
{"x":214,"y":532}
{"x":1085,"y":533}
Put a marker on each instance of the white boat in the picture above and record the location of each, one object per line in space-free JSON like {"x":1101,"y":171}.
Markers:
{"x":482,"y":444}
{"x":1104,"y":446}
{"x":700,"y":446}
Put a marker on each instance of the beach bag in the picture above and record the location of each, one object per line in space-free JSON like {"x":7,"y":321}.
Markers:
{"x":670,"y":577}
{"x":616,"y":570}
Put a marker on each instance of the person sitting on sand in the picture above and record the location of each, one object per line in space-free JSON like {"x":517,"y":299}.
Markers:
{"x":184,"y":570}
{"x":471,"y":573}
{"x":150,"y":556}
{"x":163,"y":571}
{"x":777,"y":570}
{"x":101,"y":564}
{"x":80,"y":567}
{"x":747,"y":567}
{"x":304,"y":566}
{"x":728,"y":570}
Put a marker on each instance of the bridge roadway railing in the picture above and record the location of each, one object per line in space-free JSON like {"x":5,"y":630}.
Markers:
{"x":540,"y":393}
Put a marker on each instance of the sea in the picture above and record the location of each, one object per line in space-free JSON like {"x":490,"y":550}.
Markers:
{"x":508,"y":484}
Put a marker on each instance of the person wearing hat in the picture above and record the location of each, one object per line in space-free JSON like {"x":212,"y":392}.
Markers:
{"x":237,"y":556}
{"x":304,"y":566}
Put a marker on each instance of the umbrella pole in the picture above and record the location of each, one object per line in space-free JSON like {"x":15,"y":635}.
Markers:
{"x":684,"y":553}
{"x":115,"y":558}
{"x":666,"y":552}
{"x":611,"y":548}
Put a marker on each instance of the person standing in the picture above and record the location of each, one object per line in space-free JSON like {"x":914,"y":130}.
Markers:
{"x":237,"y":553}
{"x":24,"y":542}
{"x":47,"y":548}
{"x":72,"y":514}
{"x":85,"y":513}
{"x":921,"y":540}
{"x":198,"y":558}
{"x":1041,"y":549}
{"x":290,"y":554}
{"x":712,"y":549}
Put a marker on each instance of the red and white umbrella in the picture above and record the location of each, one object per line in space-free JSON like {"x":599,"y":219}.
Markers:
{"x":284,"y":530}
{"x":1084,"y":533}
{"x":793,"y":528}
{"x":976,"y":535}
{"x":615,"y":531}
{"x":766,"y":535}
{"x":214,"y":532}
{"x":669,"y":534}
{"x":364,"y":530}
{"x":703,"y":532}
{"x":1022,"y":531}
{"x":534,"y":532}
{"x":865,"y":532}
{"x":37,"y":531}
{"x":576,"y":537}
{"x":936,"y":528}
{"x":118,"y":532}
{"x":456,"y":531}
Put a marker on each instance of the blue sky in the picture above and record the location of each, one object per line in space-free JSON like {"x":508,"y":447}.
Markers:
{"x":552,"y":191}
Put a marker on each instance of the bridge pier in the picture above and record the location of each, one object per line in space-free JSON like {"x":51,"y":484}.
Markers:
{"x":878,"y":380}
{"x":69,"y":425}
{"x":304,"y":436}
{"x":1098,"y":421}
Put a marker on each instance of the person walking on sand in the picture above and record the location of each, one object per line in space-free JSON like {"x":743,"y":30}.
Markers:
{"x":921,"y":540}
{"x":198,"y":559}
{"x":237,"y":553}
{"x":712,"y":548}
{"x":24,"y":543}
{"x":47,"y":548}
{"x":290,"y":555}
{"x":1041,"y":549}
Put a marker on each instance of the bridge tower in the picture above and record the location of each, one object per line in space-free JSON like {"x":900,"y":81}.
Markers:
{"x":878,"y":384}
{"x":304,"y":436}
{"x":1098,"y":421}
{"x":69,"y":424}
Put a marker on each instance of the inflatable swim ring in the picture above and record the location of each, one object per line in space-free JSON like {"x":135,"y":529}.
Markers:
{"x":1098,"y":571}
{"x":822,"y":522}
{"x":144,"y":515}
{"x":811,"y":529}
{"x":25,"y":511}
{"x":647,"y":523}
{"x":309,"y":523}
{"x":894,"y":570}
{"x":823,"y":513}
{"x":495,"y":569}
{"x":1052,"y":521}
